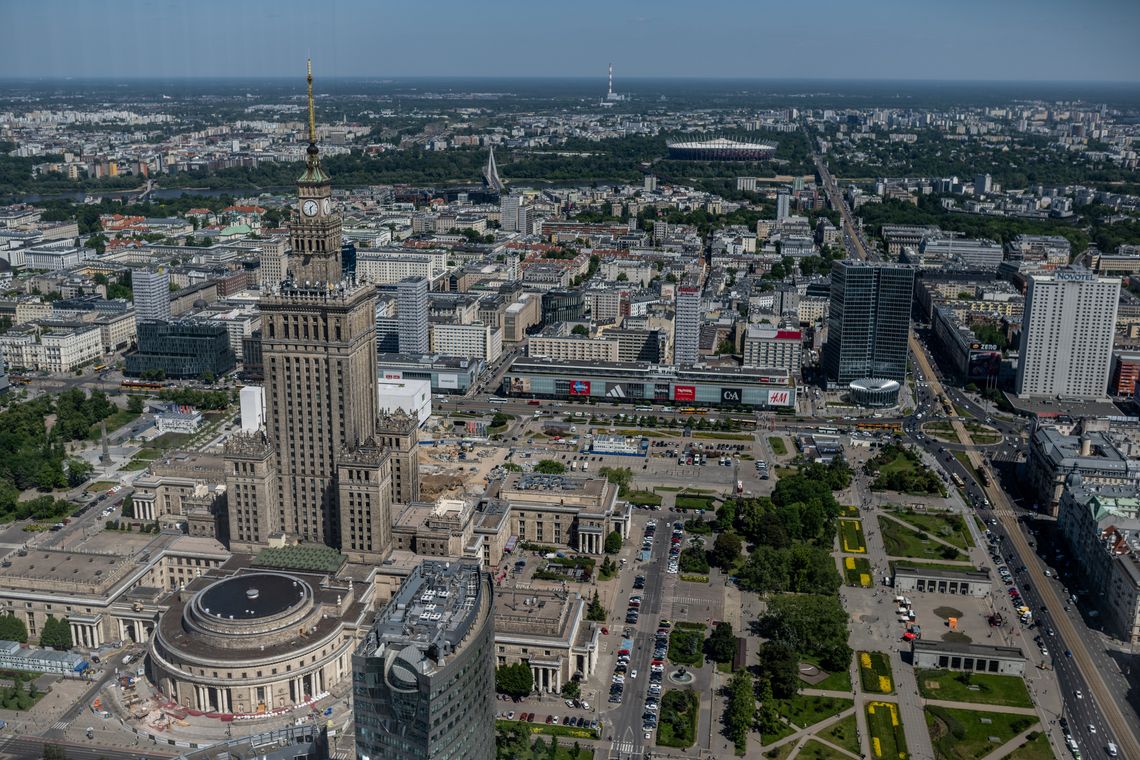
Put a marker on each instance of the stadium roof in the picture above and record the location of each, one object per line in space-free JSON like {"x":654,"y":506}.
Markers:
{"x":719,"y":143}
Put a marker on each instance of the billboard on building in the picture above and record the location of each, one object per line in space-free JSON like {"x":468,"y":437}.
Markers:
{"x":731,"y":395}
{"x":392,"y":374}
{"x":520,"y":385}
{"x":448,"y":380}
{"x":779,"y":398}
{"x":684,"y":393}
{"x":579,"y":387}
{"x":616,"y":390}
{"x":985,"y":362}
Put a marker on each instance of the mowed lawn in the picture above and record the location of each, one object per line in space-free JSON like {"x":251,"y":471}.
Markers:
{"x":901,"y":541}
{"x":804,"y":711}
{"x":984,"y":688}
{"x":949,"y":527}
{"x":969,"y":734}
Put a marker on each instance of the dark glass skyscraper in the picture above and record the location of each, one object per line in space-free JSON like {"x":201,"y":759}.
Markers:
{"x":423,"y":681}
{"x":868,"y":321}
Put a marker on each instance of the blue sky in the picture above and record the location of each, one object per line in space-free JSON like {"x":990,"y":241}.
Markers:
{"x":1052,"y":40}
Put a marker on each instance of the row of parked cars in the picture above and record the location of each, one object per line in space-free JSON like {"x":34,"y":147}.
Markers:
{"x":656,"y":675}
{"x":552,"y":720}
{"x":675,"y":548}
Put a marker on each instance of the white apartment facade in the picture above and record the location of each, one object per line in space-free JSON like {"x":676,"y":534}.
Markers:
{"x":57,"y":351}
{"x":475,"y":341}
{"x":55,"y":257}
{"x":1067,"y":334}
{"x":388,"y":270}
{"x":573,"y":348}
{"x":766,"y":346}
{"x":151,"y":291}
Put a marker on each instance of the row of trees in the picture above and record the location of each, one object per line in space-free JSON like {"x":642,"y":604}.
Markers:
{"x":740,"y":713}
{"x":13,"y":629}
{"x":197,"y":398}
{"x":56,"y":633}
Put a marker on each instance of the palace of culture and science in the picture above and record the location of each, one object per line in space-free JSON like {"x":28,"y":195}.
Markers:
{"x":324,"y":470}
{"x":274,"y":558}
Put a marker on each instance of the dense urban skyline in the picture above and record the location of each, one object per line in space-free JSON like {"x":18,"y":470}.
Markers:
{"x":897,"y":40}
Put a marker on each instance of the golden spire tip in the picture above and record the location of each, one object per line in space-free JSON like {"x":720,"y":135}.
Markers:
{"x":312,"y":119}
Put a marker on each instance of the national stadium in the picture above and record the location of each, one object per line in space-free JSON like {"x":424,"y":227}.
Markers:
{"x":720,"y":149}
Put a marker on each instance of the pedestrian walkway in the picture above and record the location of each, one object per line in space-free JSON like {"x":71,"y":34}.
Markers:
{"x":1011,"y":745}
{"x":981,"y":707}
{"x":878,"y":633}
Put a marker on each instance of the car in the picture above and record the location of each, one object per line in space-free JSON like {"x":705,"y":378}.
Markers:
{"x":511,"y":715}
{"x":1078,"y":694}
{"x":549,"y":719}
{"x":1068,"y":653}
{"x":605,"y":631}
{"x":647,"y":736}
{"x":1092,"y":729}
{"x":633,"y":674}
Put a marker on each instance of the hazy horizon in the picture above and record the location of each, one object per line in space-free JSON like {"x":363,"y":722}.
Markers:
{"x":890,"y":40}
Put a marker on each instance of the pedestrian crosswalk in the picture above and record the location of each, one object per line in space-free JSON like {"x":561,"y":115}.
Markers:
{"x":61,"y":725}
{"x":624,"y":750}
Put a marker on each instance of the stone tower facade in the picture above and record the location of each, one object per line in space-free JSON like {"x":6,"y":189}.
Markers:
{"x":318,"y":473}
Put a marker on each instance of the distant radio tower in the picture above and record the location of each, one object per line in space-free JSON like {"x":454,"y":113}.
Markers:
{"x":611,"y":96}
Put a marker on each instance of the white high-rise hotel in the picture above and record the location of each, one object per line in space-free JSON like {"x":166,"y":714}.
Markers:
{"x":1066,"y":334}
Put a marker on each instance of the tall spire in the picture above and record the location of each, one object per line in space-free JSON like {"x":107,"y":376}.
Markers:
{"x":312,"y":117}
{"x":313,"y":172}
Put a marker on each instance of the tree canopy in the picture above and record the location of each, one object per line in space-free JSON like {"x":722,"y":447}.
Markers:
{"x":809,"y":624}
{"x":515,"y":680}
{"x":720,"y":646}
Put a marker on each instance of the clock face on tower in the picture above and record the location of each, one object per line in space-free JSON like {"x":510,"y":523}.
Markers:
{"x":310,"y":208}
{"x":326,"y":206}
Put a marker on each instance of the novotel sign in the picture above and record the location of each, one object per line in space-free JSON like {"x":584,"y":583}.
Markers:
{"x":1061,"y":276}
